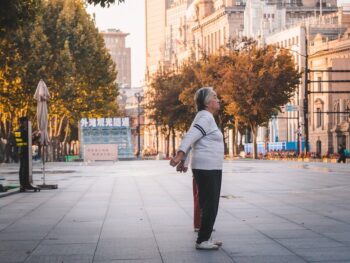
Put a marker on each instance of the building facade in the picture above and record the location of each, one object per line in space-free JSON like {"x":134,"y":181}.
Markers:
{"x":329,"y":112}
{"x":121,"y":55}
{"x":262,"y":18}
{"x":188,"y":28}
{"x":295,"y":39}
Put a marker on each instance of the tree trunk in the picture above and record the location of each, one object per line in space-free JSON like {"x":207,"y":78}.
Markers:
{"x":235,"y":138}
{"x":240,"y":142}
{"x":255,"y":147}
{"x":168,"y":144}
{"x":157,"y":138}
{"x":173,"y":141}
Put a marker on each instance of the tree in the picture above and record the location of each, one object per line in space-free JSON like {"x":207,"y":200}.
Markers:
{"x":16,"y":13}
{"x":164,"y":105}
{"x":104,"y":3}
{"x":258,"y":81}
{"x":205,"y":72}
{"x":64,"y":48}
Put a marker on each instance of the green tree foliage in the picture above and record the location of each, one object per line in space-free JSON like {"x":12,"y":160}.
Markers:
{"x":80,"y":62}
{"x":257,"y":82}
{"x":16,"y":13}
{"x":64,"y":48}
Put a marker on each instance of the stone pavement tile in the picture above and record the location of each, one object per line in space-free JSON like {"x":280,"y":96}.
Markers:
{"x":16,"y":251}
{"x":145,"y":260}
{"x":236,"y":229}
{"x":60,"y":259}
{"x":176,"y":241}
{"x":284,"y":210}
{"x":69,"y":238}
{"x":296,"y":233}
{"x":4,"y":225}
{"x":340,"y":214}
{"x":28,"y":227}
{"x":131,"y":232}
{"x":7,"y":256}
{"x":64,"y":249}
{"x":242,"y":239}
{"x":275,"y":227}
{"x":266,"y":249}
{"x":21,"y":236}
{"x":126,"y":248}
{"x":342,"y":237}
{"x":14,"y":246}
{"x":269,"y":259}
{"x":321,"y":242}
{"x":330,"y":228}
{"x":328,"y":255}
{"x":201,"y":256}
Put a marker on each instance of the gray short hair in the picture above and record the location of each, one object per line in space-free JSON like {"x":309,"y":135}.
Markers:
{"x":202,"y":97}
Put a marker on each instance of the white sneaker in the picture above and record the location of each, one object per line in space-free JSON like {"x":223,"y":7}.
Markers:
{"x":207,"y":245}
{"x":217,"y":242}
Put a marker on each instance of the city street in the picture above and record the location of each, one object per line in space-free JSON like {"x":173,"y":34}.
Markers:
{"x":141,"y":212}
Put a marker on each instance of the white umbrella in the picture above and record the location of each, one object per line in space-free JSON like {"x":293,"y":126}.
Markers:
{"x":42,"y":95}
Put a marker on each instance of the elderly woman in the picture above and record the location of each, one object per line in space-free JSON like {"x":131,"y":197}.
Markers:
{"x":205,"y":140}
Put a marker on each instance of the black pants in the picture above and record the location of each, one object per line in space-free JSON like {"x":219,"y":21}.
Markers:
{"x":209,"y":187}
{"x":342,"y":158}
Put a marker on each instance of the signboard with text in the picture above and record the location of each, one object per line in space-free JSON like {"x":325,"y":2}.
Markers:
{"x":109,"y":131}
{"x":100,"y":152}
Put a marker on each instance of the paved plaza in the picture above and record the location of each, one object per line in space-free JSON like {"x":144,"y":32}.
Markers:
{"x":141,"y":212}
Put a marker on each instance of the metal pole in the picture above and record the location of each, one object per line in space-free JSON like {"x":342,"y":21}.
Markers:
{"x":43,"y":156}
{"x":306,"y":99}
{"x":138,"y":125}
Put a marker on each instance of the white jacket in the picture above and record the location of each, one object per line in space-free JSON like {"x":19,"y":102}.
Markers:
{"x":205,"y":141}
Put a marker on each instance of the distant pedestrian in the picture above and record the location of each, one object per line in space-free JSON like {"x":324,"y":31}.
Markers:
{"x":205,"y":141}
{"x":342,"y":155}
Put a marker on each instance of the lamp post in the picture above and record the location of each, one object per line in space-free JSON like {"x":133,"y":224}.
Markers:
{"x":139,"y":98}
{"x":306,"y":95}
{"x":306,"y":99}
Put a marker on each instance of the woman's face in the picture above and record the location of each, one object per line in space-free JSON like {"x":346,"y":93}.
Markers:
{"x":213,"y":104}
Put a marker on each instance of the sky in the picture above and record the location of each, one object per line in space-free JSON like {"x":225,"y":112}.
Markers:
{"x":129,"y":17}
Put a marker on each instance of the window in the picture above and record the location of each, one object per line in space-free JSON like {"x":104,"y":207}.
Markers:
{"x":337,"y":114}
{"x":318,"y":118}
{"x":319,"y":84}
{"x":318,"y":148}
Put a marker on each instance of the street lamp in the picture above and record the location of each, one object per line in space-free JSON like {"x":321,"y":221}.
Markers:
{"x":306,"y":94}
{"x":139,"y":98}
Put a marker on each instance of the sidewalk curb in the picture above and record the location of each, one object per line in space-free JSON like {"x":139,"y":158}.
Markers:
{"x":9,"y":192}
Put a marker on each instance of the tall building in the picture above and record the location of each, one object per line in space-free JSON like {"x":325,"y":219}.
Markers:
{"x":177,"y":33}
{"x":215,"y":23}
{"x":329,"y":123}
{"x":263,"y":17}
{"x":155,"y":34}
{"x":180,"y":29}
{"x":120,"y":54}
{"x":312,"y":37}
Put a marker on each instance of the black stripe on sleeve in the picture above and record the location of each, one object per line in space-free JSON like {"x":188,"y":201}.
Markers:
{"x":200,"y":129}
